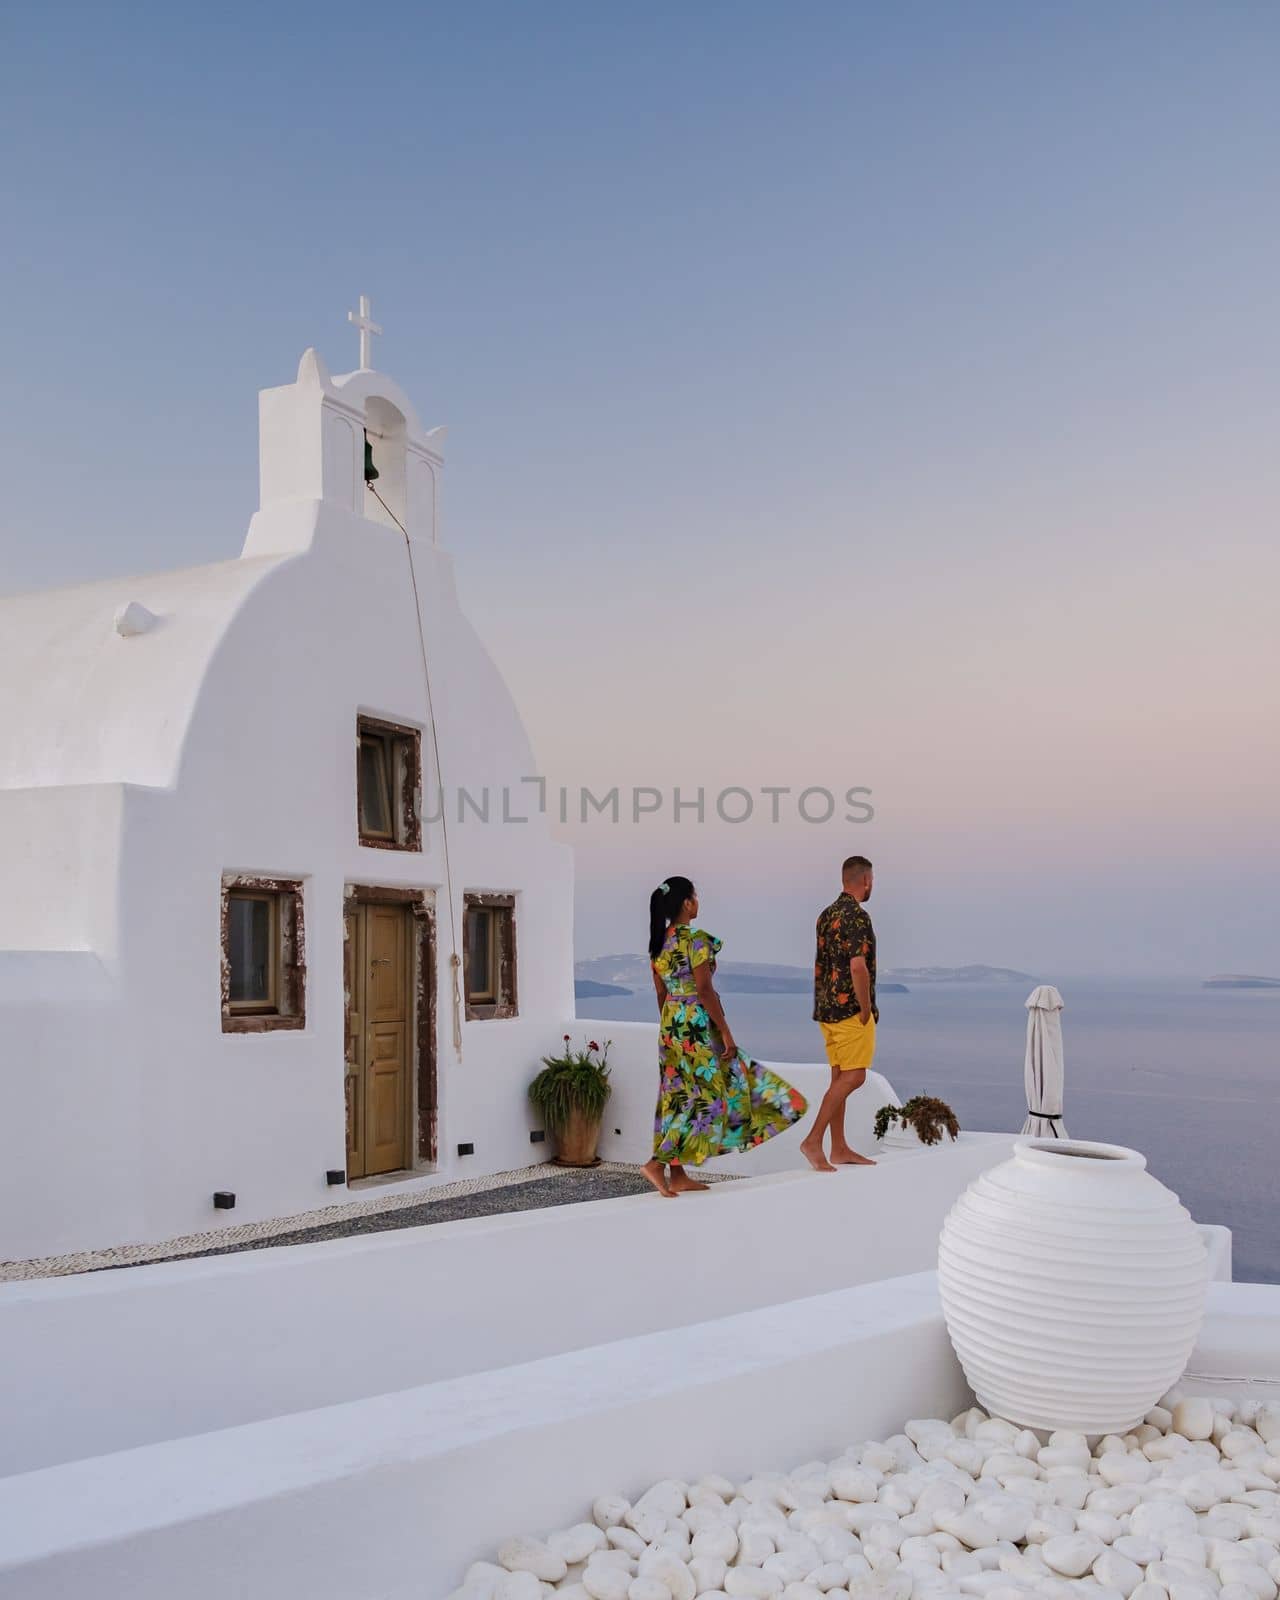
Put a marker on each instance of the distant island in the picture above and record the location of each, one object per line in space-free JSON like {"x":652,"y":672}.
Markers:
{"x":974,"y":974}
{"x":601,"y":976}
{"x":1240,"y":980}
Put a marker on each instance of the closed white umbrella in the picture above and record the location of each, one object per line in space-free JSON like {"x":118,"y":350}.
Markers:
{"x":1044,"y":1064}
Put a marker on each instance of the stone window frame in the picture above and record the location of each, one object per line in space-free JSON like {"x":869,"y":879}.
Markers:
{"x":506,"y":1002}
{"x":408,"y":801}
{"x":291,"y":955}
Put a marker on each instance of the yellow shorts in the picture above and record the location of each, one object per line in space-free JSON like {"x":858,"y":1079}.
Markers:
{"x":851,"y":1045}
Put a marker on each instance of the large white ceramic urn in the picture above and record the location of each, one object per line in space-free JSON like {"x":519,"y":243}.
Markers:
{"x":1073,"y":1284}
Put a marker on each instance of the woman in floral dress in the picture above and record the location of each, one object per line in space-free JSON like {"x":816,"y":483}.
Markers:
{"x":712,"y":1098}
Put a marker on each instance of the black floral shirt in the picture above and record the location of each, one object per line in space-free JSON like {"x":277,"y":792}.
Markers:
{"x":844,"y":931}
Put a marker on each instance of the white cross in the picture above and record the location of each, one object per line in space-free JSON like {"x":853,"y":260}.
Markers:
{"x":367,"y":328}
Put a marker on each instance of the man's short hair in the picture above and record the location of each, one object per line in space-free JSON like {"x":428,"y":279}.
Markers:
{"x":854,"y":867}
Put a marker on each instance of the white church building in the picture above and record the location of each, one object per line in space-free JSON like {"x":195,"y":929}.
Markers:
{"x":258,"y":941}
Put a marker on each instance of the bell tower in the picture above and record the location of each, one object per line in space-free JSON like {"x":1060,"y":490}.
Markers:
{"x":353,"y":441}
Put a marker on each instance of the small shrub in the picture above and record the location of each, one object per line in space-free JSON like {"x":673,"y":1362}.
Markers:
{"x":576,"y":1080}
{"x":930,"y":1117}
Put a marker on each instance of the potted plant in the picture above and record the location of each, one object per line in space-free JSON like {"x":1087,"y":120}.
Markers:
{"x":571,"y":1092}
{"x":924,"y":1119}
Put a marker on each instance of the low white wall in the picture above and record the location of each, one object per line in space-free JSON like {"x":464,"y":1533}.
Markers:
{"x":163,"y":1351}
{"x":389,"y":1498}
{"x":1238,"y":1350}
{"x":392,"y":1497}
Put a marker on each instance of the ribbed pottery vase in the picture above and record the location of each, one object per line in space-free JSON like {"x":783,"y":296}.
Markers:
{"x":1073,"y":1285}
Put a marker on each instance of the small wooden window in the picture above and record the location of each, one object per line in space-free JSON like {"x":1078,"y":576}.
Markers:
{"x":253,"y":951}
{"x":388,"y":785}
{"x":263,"y":965}
{"x":489,"y":955}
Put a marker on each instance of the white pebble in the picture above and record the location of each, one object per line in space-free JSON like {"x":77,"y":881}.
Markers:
{"x":1071,"y":1554}
{"x":667,"y":1569}
{"x":708,"y":1573}
{"x":626,"y":1539}
{"x":609,"y":1510}
{"x":1143,"y":1551}
{"x":645,"y":1524}
{"x":965,"y":1454}
{"x":1071,"y":1489}
{"x":612,"y":1558}
{"x":1188,"y":1547}
{"x":1100,"y":1524}
{"x":941,"y":1495}
{"x":1150,"y":1591}
{"x":667,"y":1498}
{"x":830,"y":1575}
{"x":1117,"y":1501}
{"x":855,"y":1484}
{"x":1193,"y":1418}
{"x":576,"y":1544}
{"x":1117,"y":1572}
{"x":792,"y":1566}
{"x":523,"y":1554}
{"x":1249,"y":1574}
{"x":647,"y":1589}
{"x":481,"y":1580}
{"x":606,"y":1582}
{"x":752,"y":1583}
{"x":1050,"y":1520}
{"x":1240,"y":1443}
{"x":519,"y":1585}
{"x":1162,"y":1519}
{"x":928,"y":1428}
{"x":971,"y":1529}
{"x":1118,"y":1466}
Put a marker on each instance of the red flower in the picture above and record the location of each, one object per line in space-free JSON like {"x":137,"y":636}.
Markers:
{"x":592,"y":1045}
{"x":566,"y":1038}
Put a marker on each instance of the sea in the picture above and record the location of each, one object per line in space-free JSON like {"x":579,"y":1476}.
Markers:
{"x":1186,"y":1075}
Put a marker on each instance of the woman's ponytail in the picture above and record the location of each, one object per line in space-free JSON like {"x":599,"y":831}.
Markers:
{"x":664,"y":903}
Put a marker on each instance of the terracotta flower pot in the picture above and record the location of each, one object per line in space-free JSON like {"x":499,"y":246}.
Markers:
{"x":576,"y":1142}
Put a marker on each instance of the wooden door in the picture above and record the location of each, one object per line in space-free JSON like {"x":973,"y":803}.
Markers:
{"x":379,"y":969}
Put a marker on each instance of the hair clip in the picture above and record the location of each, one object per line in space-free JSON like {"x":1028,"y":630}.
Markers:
{"x":664,"y":888}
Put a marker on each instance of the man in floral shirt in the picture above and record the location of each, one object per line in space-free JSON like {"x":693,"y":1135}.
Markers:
{"x":844,"y":1007}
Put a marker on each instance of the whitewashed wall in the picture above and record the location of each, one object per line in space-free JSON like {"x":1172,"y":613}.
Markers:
{"x":390,"y":1497}
{"x":174,"y":1349}
{"x":135,"y":771}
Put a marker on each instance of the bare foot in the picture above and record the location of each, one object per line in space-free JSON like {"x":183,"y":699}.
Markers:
{"x":813,"y":1154}
{"x":652,"y":1170}
{"x":681,"y":1183}
{"x":850,"y":1158}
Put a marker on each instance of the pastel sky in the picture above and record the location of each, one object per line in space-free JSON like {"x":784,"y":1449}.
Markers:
{"x":838,"y":394}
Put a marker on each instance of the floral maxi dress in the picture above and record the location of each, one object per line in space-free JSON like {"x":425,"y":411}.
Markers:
{"x":708,"y":1106}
